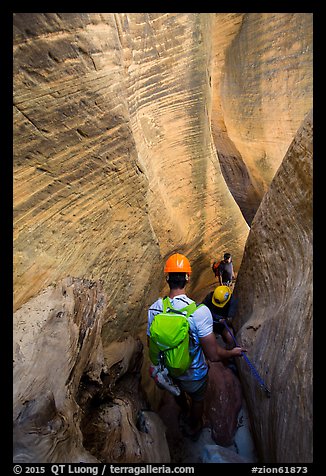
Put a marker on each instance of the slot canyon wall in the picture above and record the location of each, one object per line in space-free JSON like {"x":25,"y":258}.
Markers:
{"x":261,"y":96}
{"x":275,"y":290}
{"x":136,"y":135}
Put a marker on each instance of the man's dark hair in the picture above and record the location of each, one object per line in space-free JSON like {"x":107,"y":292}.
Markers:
{"x":177,"y":280}
{"x":227,"y":255}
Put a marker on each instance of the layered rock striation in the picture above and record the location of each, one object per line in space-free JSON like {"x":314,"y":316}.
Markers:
{"x":262,"y":81}
{"x":135,"y":135}
{"x":114,"y":162}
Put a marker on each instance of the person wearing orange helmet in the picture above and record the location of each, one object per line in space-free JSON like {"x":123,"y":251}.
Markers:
{"x":203,"y":344}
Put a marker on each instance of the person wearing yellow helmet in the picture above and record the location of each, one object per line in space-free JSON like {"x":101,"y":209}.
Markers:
{"x":203,"y":344}
{"x":222,"y":305}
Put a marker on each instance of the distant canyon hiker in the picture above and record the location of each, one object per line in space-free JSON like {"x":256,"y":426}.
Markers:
{"x":224,"y":271}
{"x":203,"y":345}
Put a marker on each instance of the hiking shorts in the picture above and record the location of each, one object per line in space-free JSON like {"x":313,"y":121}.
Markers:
{"x":194,"y":388}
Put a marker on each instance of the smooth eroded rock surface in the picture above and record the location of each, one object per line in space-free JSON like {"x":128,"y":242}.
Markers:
{"x":69,"y":390}
{"x":274,"y":319}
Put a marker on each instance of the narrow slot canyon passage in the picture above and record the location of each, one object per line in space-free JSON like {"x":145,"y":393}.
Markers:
{"x":135,"y":136}
{"x":226,"y":436}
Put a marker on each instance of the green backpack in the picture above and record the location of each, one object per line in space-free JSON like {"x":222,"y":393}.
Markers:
{"x":169,"y":338}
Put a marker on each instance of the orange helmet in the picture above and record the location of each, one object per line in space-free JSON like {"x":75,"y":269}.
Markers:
{"x":177,"y":263}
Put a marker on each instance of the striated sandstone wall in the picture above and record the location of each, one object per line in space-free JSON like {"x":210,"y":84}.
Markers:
{"x":114,"y":164}
{"x":138,"y":134}
{"x":262,"y":82}
{"x":79,"y":191}
{"x":274,"y":287}
{"x":265,"y":89}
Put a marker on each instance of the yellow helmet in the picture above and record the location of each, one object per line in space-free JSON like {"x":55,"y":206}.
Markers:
{"x":221,"y":296}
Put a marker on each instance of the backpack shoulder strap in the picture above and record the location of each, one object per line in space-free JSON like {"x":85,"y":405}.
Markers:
{"x":191,"y":308}
{"x":166,"y":304}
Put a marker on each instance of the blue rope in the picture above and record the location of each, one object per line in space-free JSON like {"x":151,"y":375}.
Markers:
{"x":252,"y":367}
